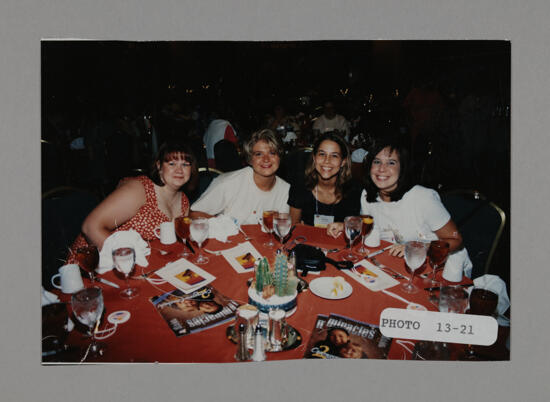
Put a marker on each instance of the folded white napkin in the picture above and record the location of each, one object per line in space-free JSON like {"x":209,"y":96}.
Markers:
{"x":457,"y":264}
{"x":496,"y":285}
{"x":124,"y":238}
{"x":221,"y":227}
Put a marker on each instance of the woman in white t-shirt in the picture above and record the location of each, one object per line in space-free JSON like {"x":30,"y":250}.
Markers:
{"x":245,"y":193}
{"x":401,"y":211}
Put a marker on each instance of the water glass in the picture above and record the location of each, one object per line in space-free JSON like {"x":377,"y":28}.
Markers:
{"x":124,"y":259}
{"x":415,"y":255}
{"x":281,"y":224}
{"x":87,"y":306}
{"x":199,"y":233}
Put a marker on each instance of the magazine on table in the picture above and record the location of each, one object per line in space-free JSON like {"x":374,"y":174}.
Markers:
{"x":339,"y":337}
{"x":188,"y":313}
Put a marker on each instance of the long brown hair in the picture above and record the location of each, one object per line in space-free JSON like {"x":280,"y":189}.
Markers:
{"x":343,"y":180}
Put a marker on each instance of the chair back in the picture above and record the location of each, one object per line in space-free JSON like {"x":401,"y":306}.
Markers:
{"x":63,"y":211}
{"x":480,"y":222}
{"x":226,"y":156}
{"x":206,"y":175}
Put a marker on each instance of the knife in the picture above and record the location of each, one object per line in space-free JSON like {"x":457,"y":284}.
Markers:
{"x":106,"y":282}
{"x":379,"y":251}
{"x":188,"y":244}
{"x":432,"y":289}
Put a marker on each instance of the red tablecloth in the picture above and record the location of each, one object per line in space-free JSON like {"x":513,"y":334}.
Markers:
{"x":146,"y":337}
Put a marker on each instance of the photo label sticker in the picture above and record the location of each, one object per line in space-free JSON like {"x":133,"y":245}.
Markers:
{"x":440,"y":327}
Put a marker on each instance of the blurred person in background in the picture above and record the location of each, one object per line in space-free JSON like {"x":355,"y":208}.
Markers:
{"x":330,"y":121}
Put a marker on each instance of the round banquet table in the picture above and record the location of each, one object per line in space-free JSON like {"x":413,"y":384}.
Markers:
{"x":146,"y":337}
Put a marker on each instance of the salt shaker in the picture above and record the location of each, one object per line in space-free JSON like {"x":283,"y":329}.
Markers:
{"x":292,"y":264}
{"x":259,"y":352}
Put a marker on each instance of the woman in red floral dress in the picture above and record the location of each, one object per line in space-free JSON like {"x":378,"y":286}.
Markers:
{"x":142,"y":203}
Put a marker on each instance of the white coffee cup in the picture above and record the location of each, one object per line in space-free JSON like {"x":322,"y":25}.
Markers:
{"x":70,"y":278}
{"x":373,"y":239}
{"x":167,"y":232}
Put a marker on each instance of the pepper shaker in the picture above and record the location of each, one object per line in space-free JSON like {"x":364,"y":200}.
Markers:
{"x":242,"y":349}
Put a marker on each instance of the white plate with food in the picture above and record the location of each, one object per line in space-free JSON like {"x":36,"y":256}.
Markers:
{"x":331,"y":287}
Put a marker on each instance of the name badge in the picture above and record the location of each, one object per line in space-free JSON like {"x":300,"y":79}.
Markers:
{"x":322,"y":221}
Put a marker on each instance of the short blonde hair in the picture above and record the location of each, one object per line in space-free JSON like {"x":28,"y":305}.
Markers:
{"x":266,"y":135}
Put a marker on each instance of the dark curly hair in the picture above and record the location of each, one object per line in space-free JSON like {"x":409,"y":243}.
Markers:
{"x":394,"y":142}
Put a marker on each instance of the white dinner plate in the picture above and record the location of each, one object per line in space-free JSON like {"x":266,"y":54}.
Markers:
{"x":323,"y":287}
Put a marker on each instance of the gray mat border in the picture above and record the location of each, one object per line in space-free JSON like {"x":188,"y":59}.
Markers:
{"x":24,"y":23}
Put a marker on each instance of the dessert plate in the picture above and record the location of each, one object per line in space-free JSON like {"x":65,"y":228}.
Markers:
{"x":333,"y":288}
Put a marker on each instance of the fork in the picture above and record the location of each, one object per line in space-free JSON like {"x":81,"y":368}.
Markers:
{"x":246,"y":237}
{"x":396,"y":274}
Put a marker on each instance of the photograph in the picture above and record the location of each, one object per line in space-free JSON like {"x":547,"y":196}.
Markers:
{"x":393,"y":154}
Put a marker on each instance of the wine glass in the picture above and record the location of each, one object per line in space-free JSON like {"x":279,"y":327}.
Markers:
{"x":267,"y":218}
{"x":366,"y":228}
{"x":282,"y":223}
{"x":415,"y":255}
{"x":352,"y":226}
{"x":199,"y":233}
{"x":124,"y":259}
{"x":482,"y":302}
{"x":182,"y":224}
{"x":87,"y":305}
{"x":88,"y":258}
{"x":437,"y":254}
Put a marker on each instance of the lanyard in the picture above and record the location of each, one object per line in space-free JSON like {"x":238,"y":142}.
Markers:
{"x":317,"y":204}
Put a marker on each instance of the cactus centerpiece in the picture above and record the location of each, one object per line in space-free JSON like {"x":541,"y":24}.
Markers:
{"x":263,"y":275}
{"x":273,"y":287}
{"x":280,"y":274}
